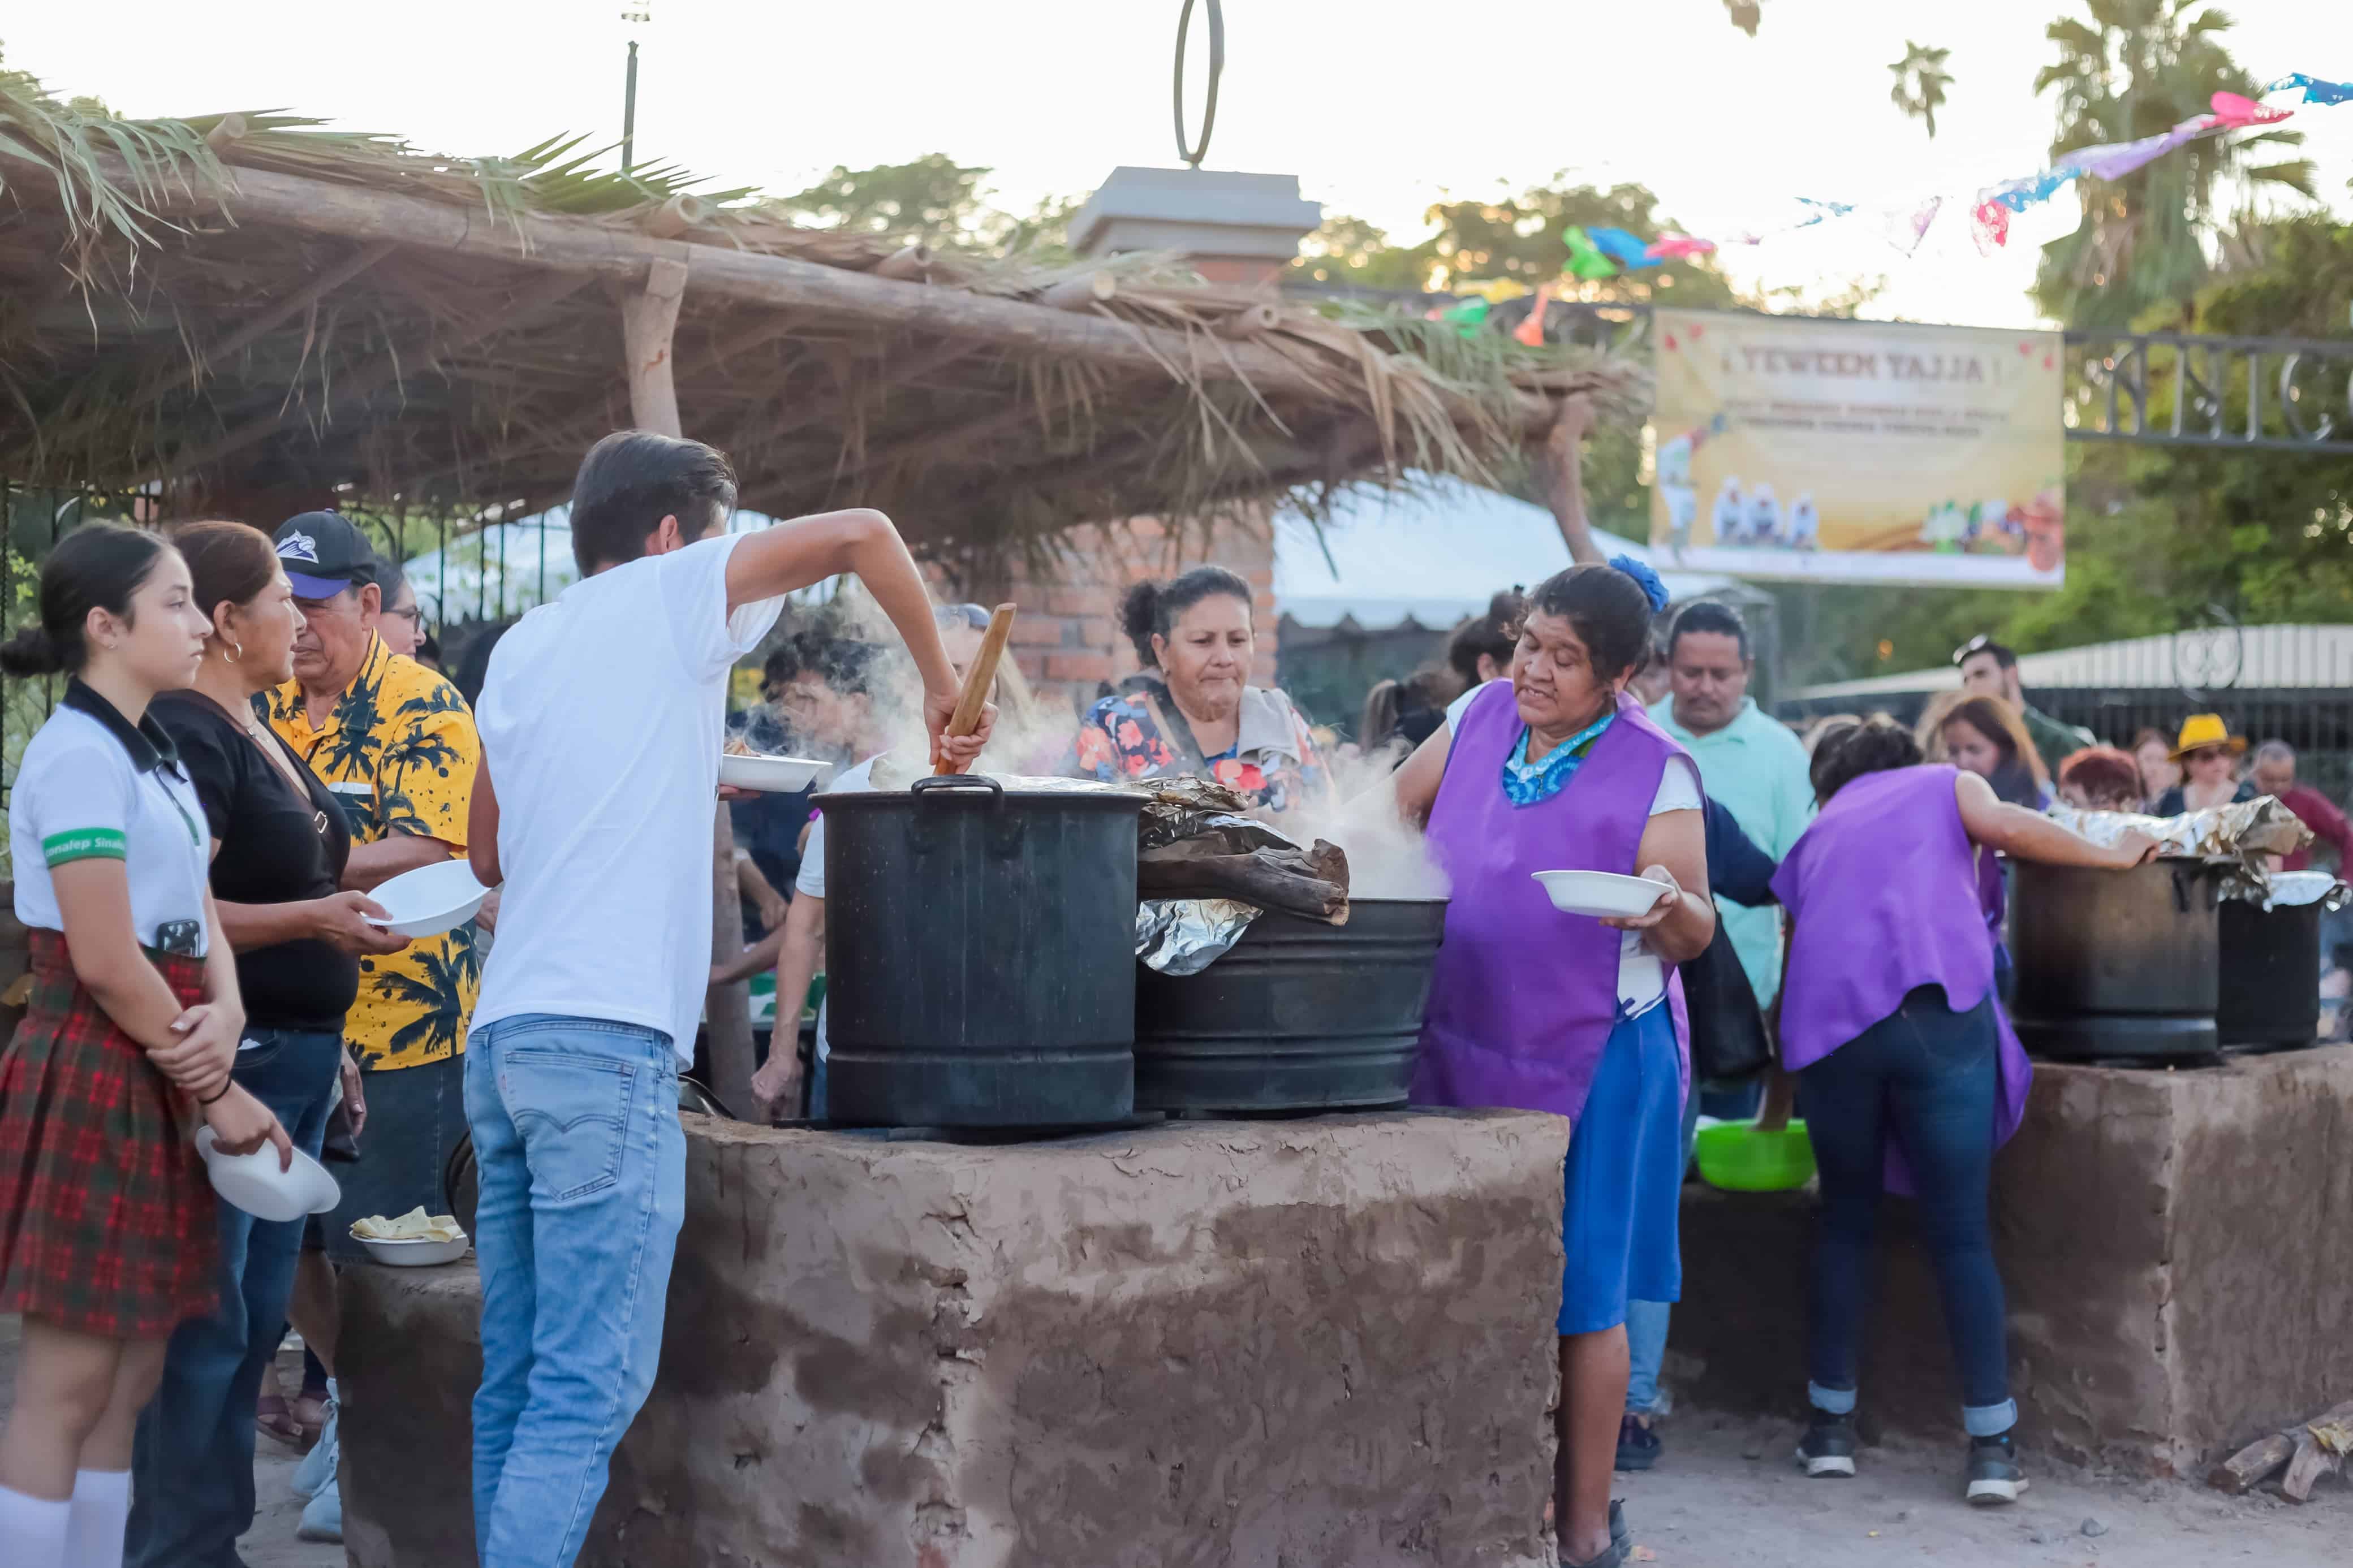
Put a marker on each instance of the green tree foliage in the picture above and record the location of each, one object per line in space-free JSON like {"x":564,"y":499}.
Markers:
{"x":1921,"y":80}
{"x":933,"y":200}
{"x":2132,"y":68}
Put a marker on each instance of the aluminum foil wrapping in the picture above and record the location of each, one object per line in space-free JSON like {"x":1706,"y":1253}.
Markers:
{"x":2240,"y":838}
{"x":1185,"y":936}
{"x":2286,"y":890}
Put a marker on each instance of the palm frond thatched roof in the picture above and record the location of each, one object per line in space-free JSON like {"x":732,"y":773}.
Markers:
{"x":252,"y":304}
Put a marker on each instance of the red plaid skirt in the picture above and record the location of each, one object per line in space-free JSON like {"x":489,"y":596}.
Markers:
{"x":107,"y":1221}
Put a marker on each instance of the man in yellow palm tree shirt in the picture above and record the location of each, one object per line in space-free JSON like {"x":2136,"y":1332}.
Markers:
{"x":396,"y":744}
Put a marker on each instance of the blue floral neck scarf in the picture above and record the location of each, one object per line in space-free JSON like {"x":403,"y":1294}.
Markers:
{"x":1528,"y":783}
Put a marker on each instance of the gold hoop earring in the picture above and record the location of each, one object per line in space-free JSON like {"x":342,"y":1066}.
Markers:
{"x":235,"y":648}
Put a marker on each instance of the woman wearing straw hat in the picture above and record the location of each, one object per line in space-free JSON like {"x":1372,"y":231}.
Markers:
{"x":2209,"y":754}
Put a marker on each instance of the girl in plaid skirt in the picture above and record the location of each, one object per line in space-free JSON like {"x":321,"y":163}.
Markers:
{"x":107,"y":1226}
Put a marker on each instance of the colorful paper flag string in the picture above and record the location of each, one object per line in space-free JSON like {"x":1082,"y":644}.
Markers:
{"x":2315,"y":90}
{"x":2236,"y":111}
{"x":1531,"y":331}
{"x":1584,"y":259}
{"x":1622,"y":247}
{"x":1678,"y":247}
{"x":1600,"y":251}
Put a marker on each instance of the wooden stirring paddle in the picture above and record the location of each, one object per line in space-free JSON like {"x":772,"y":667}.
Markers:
{"x":979,"y":678}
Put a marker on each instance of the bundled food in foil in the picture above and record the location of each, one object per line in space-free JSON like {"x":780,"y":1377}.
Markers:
{"x":1197,"y":843}
{"x":1185,"y":936}
{"x":2241,"y":837}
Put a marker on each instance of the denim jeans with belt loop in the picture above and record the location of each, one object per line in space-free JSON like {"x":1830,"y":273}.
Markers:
{"x":583,"y":1171}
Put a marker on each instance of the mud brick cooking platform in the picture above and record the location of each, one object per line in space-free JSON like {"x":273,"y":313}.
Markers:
{"x":2177,"y":1246}
{"x":1314,"y":1342}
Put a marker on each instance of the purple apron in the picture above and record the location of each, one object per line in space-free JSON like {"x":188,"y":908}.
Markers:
{"x":1524,"y":997}
{"x":1887,"y":894}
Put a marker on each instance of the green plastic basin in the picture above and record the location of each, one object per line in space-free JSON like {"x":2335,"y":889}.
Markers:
{"x":1737,"y":1158}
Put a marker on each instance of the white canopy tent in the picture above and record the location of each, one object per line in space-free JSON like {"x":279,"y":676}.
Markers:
{"x":506,"y":568}
{"x":1435,"y":552}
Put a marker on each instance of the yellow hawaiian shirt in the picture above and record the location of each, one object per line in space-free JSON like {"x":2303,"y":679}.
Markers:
{"x":400,"y":751}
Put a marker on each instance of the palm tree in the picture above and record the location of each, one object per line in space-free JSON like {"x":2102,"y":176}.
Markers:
{"x":1921,"y":80}
{"x":2136,"y":68}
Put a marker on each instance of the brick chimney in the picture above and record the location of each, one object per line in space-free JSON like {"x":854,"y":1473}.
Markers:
{"x":1235,"y":228}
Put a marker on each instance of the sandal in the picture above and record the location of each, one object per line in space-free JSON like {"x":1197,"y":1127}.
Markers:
{"x":273,"y":1414}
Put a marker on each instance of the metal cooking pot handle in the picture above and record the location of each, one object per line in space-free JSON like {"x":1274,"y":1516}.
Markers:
{"x":956,"y":781}
{"x":2181,"y":890}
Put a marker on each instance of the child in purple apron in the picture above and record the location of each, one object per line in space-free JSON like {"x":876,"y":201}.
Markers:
{"x":1907,"y":1071}
{"x":1558,"y":770}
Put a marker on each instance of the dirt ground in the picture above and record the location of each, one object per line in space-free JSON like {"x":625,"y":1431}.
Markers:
{"x":1727,"y":1496}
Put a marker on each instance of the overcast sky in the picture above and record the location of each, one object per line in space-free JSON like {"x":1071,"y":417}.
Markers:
{"x":1378,"y":105}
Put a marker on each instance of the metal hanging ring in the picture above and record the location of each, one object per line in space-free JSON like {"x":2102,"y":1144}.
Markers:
{"x":1193,"y":155}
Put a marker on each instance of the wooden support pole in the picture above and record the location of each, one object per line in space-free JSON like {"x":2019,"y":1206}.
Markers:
{"x":231,"y":130}
{"x":1081,"y":293}
{"x":676,"y":215}
{"x":648,"y":319}
{"x":909,"y":264}
{"x":648,"y":325}
{"x":1249,"y":322}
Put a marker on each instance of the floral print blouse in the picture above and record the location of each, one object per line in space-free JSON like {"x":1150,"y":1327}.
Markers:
{"x":1272,"y":764}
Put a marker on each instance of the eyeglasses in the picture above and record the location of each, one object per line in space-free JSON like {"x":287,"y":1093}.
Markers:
{"x":1978,"y":644}
{"x":413,"y":615}
{"x":2206,"y":755}
{"x":972,"y":616}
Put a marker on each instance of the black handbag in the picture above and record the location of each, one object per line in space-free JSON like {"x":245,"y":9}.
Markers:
{"x":1728,"y":1042}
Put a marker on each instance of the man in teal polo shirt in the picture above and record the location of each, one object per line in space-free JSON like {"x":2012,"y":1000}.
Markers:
{"x":1748,"y":760}
{"x":1758,"y":769}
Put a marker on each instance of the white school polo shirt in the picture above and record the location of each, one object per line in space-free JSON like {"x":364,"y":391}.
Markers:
{"x":92,"y":785}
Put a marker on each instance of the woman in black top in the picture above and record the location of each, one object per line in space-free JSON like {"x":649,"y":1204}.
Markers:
{"x":279,"y":843}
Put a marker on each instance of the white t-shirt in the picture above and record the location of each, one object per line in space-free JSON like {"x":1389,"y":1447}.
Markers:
{"x":93,"y":787}
{"x":602,"y":717}
{"x":810,"y":883}
{"x":1641,"y":977}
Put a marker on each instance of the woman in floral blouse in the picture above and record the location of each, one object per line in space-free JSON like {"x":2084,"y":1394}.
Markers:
{"x":1194,"y":711}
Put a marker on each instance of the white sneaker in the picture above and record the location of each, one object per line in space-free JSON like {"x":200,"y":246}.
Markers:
{"x":317,"y":1470}
{"x":322,"y":1517}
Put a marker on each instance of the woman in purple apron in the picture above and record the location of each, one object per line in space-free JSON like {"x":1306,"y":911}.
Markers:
{"x":1907,"y":1071}
{"x":1558,"y":770}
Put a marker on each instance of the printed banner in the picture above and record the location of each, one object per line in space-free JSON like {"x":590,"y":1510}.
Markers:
{"x":1858,"y":451}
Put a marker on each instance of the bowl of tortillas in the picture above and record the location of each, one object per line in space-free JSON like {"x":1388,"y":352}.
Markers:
{"x":414,"y":1240}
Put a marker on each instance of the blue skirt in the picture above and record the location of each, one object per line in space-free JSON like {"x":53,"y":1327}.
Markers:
{"x":1624,"y":1179}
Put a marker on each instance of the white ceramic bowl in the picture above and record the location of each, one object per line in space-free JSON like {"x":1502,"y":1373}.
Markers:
{"x":419,"y":1253}
{"x":254,"y":1183}
{"x":430,"y":899}
{"x":1600,"y":893}
{"x":777,"y":775}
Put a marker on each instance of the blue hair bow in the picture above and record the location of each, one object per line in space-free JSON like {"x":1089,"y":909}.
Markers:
{"x":1652,"y":588}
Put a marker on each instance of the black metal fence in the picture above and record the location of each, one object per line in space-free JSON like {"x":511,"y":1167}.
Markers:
{"x":2287,"y":683}
{"x":470,"y":577}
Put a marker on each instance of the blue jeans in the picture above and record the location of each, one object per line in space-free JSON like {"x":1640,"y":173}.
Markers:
{"x":583,"y":1171}
{"x":1646,"y":1321}
{"x":192,"y":1462}
{"x":1927,"y":1074}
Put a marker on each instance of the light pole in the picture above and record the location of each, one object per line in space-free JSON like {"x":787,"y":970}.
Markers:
{"x":637,"y":16}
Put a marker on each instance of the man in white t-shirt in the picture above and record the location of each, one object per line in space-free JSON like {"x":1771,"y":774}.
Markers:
{"x":602,"y":718}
